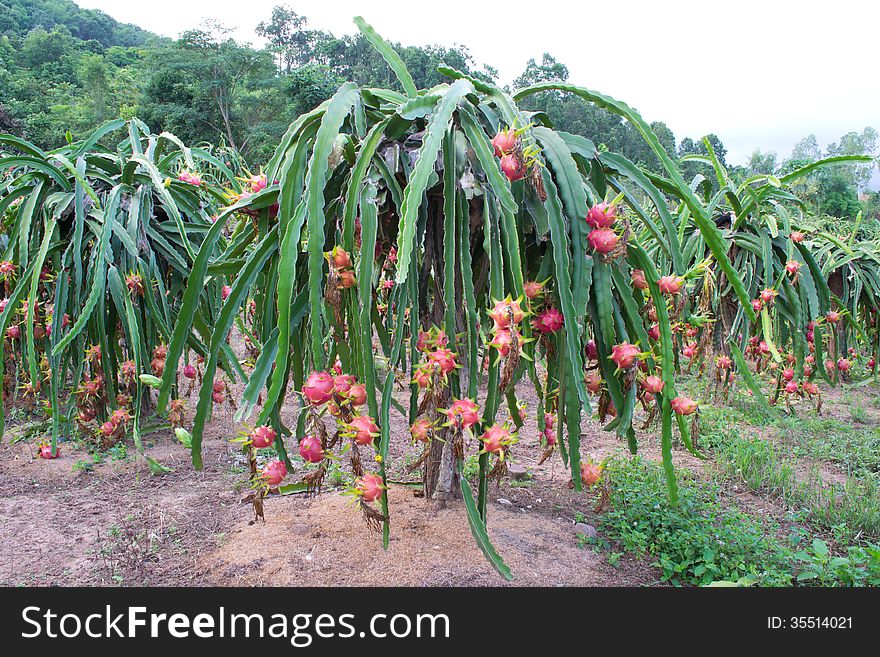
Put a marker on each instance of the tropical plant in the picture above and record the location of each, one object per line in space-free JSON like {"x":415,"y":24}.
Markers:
{"x":97,"y":245}
{"x":761,"y":222}
{"x":851,"y":265}
{"x":441,"y":242}
{"x":405,"y":238}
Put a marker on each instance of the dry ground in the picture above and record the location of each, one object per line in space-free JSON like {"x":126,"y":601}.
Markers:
{"x":119,"y":525}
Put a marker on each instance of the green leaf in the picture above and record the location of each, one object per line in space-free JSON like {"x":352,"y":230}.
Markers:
{"x":99,"y":281}
{"x":562,"y":263}
{"x":240,"y":290}
{"x":669,"y":238}
{"x":389,"y":54}
{"x":478,"y":529}
{"x":157,"y":468}
{"x":418,"y":180}
{"x":184,"y":436}
{"x":150,"y":380}
{"x":189,"y":306}
{"x":340,"y":106}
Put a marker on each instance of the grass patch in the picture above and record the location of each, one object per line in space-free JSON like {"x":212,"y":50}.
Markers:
{"x":696,"y":542}
{"x":703,"y":540}
{"x":856,"y":450}
{"x":769,"y":468}
{"x":859,"y":414}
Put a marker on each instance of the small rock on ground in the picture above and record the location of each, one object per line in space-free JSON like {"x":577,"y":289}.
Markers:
{"x":586,"y":530}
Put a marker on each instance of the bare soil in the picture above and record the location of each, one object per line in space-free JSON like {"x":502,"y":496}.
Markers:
{"x":120,"y":525}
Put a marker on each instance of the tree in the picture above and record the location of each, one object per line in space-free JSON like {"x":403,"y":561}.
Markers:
{"x":833,"y":192}
{"x":206,"y":83}
{"x":549,"y":70}
{"x":665,"y":135}
{"x":8,"y":123}
{"x":854,"y":143}
{"x":806,"y":149}
{"x":871,"y":206}
{"x":42,"y":47}
{"x":761,"y":162}
{"x":96,"y":83}
{"x":18,"y":17}
{"x":288,"y":39}
{"x":838,"y":196}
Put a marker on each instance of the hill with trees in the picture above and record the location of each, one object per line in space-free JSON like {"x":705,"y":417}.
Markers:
{"x":65,"y":70}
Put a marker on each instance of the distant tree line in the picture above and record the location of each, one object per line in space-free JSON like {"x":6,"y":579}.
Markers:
{"x":64,"y":68}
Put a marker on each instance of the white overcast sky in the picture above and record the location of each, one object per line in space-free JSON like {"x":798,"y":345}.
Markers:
{"x":760,"y":74}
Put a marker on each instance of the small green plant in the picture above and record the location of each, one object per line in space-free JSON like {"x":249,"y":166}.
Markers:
{"x":335,"y":474}
{"x":697,"y":541}
{"x":860,"y":567}
{"x":820,"y":565}
{"x":767,"y":466}
{"x":859,"y":414}
{"x":614,"y":558}
{"x":33,"y":429}
{"x":83,"y":466}
{"x":856,"y":450}
{"x":118,"y":452}
{"x":471,"y":468}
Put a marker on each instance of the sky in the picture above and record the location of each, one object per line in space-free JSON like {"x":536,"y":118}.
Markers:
{"x":759,"y":74}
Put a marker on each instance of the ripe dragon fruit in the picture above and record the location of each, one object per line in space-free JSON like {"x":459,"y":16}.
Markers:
{"x":364,"y":430}
{"x":310,"y":449}
{"x":463,"y":413}
{"x":638,"y":279}
{"x":533,"y":290}
{"x":684,"y":406}
{"x":513,"y":167}
{"x":504,"y":142}
{"x":421,"y":430}
{"x":369,"y":487}
{"x":496,"y":438}
{"x":603,"y":240}
{"x":318,"y":388}
{"x":274,"y":472}
{"x":653,"y":384}
{"x":45,"y":452}
{"x":343,"y":383}
{"x":549,"y":321}
{"x":340,"y":258}
{"x":670,"y":285}
{"x":262,"y":437}
{"x":602,"y":215}
{"x":591,"y":473}
{"x":624,"y":354}
{"x":444,"y":359}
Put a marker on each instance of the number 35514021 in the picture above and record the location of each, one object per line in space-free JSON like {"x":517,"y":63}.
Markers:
{"x":813,"y":622}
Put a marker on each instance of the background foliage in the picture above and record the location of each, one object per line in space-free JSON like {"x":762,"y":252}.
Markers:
{"x":66,"y":68}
